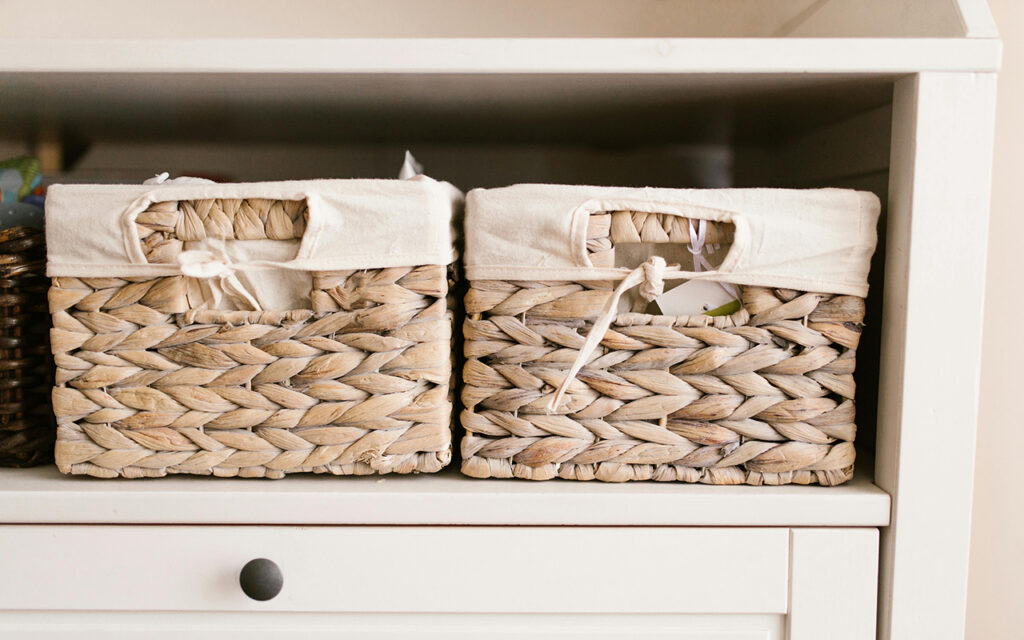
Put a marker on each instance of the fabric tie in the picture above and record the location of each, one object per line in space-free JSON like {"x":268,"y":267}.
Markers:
{"x":650,"y":276}
{"x":700,"y":263}
{"x":218,"y":273}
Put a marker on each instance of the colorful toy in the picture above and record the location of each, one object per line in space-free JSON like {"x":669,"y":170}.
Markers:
{"x":19,"y":177}
{"x":22,"y":192}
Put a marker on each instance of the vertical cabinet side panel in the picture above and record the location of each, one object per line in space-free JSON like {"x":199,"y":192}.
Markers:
{"x":931,"y":342}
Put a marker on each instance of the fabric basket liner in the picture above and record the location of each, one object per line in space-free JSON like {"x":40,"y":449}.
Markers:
{"x":353,"y":224}
{"x":811,"y":240}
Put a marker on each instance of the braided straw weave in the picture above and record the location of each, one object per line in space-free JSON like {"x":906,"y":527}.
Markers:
{"x":148,"y":384}
{"x":26,"y":422}
{"x":764,"y":396}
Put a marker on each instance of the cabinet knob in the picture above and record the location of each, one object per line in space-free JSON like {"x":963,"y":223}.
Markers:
{"x":261,"y":579}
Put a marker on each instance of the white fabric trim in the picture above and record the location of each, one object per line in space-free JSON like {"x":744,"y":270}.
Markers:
{"x":813,"y":240}
{"x":353,"y":224}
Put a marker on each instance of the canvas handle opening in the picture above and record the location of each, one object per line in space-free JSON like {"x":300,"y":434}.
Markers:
{"x":605,"y":225}
{"x":156,"y":232}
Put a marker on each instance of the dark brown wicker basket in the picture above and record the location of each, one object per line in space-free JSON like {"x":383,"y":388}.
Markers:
{"x":27,"y":427}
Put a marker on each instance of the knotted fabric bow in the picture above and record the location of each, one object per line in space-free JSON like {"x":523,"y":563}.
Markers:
{"x":217,"y":270}
{"x":650,"y":276}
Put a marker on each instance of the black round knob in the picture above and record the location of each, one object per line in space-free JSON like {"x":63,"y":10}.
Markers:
{"x":261,"y":579}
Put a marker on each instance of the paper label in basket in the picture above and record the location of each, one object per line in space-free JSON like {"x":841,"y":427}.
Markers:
{"x":695,"y":297}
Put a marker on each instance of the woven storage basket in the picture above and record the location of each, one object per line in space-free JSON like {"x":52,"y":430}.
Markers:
{"x":762,"y":396}
{"x":26,"y":420}
{"x":156,"y":374}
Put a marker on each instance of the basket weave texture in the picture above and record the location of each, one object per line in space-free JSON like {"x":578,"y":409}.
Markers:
{"x":26,"y":421}
{"x":762,"y":396}
{"x":149,"y":383}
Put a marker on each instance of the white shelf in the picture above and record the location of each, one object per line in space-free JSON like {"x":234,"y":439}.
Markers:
{"x":502,"y":55}
{"x":500,"y":18}
{"x":42,"y":495}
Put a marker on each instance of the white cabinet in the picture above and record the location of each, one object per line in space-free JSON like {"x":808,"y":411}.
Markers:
{"x":469,"y":557}
{"x":895,"y":96}
{"x":740,"y":582}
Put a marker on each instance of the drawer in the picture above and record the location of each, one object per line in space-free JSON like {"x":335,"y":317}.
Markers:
{"x":399,"y":569}
{"x":105,"y":625}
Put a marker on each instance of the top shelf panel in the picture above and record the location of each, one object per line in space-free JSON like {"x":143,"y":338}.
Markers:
{"x":500,"y":55}
{"x":497,"y":36}
{"x":502,"y":19}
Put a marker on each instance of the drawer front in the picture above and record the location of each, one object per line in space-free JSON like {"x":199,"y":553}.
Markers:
{"x":105,"y":625}
{"x":398,"y":569}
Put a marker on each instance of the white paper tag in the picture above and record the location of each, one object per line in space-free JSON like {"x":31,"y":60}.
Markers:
{"x":693,"y":297}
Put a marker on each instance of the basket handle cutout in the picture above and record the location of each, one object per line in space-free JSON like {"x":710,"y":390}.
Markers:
{"x":605,"y":230}
{"x":690,"y":245}
{"x":195,"y":235}
{"x":626,"y":238}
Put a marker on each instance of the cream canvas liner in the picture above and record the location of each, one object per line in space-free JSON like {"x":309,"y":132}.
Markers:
{"x":353,"y":224}
{"x":813,"y":240}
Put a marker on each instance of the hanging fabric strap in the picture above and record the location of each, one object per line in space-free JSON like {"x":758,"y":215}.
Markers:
{"x":650,"y":277}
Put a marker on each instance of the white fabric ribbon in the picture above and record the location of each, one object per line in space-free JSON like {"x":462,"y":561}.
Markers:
{"x":650,"y":276}
{"x":698,"y":236}
{"x":217,"y":271}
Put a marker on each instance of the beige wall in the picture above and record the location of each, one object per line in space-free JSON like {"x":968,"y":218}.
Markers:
{"x":995,"y":603}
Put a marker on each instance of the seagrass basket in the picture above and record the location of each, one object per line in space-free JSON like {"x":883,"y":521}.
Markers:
{"x":26,"y":419}
{"x":568,"y":374}
{"x":252,"y":330}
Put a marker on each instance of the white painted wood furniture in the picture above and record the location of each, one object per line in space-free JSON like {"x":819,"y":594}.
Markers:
{"x":892,"y":95}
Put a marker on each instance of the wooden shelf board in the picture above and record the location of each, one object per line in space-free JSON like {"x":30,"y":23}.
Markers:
{"x":501,"y":55}
{"x":43,"y":495}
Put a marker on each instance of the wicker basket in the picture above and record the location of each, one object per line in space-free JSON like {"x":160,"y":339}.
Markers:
{"x":762,"y":396}
{"x":26,"y":420}
{"x":150,"y":383}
